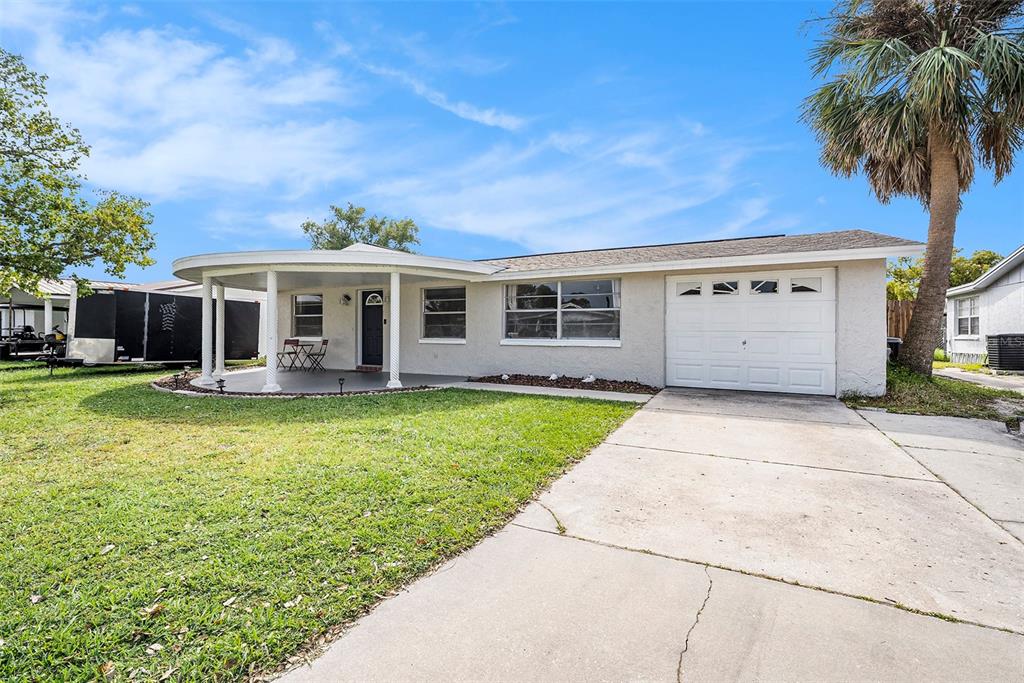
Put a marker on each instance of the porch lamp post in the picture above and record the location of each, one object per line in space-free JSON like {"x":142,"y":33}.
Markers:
{"x":395,"y":332}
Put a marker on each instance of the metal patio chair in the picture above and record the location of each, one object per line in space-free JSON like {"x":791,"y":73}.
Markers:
{"x":316,"y":358}
{"x":289,"y":354}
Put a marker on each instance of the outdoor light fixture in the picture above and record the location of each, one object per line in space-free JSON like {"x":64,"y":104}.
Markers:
{"x":346,"y":299}
{"x":341,"y":385}
{"x":220,"y":384}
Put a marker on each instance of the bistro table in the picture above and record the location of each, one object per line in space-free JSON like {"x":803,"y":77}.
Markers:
{"x":302,"y":350}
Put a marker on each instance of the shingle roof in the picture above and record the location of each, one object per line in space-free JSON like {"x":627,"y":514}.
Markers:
{"x":685,"y":251}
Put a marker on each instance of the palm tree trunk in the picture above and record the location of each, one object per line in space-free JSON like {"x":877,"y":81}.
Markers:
{"x":943,"y":206}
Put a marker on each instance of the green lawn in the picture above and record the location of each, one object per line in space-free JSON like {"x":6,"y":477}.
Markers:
{"x":213,"y":538}
{"x":915,"y":394}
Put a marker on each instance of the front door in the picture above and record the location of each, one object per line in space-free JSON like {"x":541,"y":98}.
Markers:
{"x":372,"y":304}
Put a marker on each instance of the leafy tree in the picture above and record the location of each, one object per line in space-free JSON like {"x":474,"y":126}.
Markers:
{"x":905,"y":272}
{"x":351,"y":225}
{"x":923,"y":90}
{"x":46,"y":224}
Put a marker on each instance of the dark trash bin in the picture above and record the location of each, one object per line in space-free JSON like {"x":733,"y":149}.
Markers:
{"x":894,"y":344}
{"x":1006,"y":351}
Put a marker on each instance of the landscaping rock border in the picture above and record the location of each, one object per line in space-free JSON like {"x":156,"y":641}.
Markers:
{"x":564,"y":382}
{"x":167,"y":384}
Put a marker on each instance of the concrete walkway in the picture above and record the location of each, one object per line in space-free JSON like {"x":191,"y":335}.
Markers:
{"x":728,"y":536}
{"x":1008,"y":382}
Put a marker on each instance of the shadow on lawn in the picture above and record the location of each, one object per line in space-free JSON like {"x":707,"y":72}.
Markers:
{"x":141,"y":402}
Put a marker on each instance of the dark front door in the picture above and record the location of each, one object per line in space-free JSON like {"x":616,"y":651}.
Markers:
{"x":372,"y":303}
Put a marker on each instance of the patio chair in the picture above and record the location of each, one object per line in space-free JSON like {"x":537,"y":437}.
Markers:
{"x":316,"y":358}
{"x":289,"y":354}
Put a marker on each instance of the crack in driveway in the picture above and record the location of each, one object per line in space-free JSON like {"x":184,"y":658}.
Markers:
{"x":696,"y":620}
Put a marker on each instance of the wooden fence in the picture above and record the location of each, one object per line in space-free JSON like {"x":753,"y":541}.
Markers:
{"x":897,"y":315}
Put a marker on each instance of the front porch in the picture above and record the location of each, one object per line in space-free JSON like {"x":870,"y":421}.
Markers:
{"x":252,"y":381}
{"x":341,"y":308}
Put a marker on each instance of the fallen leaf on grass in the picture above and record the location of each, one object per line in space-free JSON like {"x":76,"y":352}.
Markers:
{"x":229,"y":601}
{"x":153,"y":610}
{"x":107,"y":669}
{"x":153,"y":648}
{"x":35,"y":598}
{"x":167,"y":674}
{"x":293,"y":603}
{"x":107,"y":548}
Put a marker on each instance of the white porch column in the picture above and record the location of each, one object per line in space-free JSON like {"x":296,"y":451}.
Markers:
{"x":207,"y":366}
{"x":270,"y":382}
{"x":395,"y":331}
{"x":69,"y":333}
{"x":47,"y":316}
{"x":218,"y":369}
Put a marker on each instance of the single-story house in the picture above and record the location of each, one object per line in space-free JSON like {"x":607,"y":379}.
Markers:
{"x":800,"y":313}
{"x":992,"y":304}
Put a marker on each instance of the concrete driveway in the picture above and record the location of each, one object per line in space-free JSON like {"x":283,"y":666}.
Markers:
{"x":728,"y":536}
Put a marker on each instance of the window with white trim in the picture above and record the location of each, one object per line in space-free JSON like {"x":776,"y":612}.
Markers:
{"x":568,"y":309}
{"x":444,"y":313}
{"x":308,"y":315}
{"x":967,"y":320}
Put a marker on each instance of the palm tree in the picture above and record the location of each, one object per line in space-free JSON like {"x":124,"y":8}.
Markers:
{"x":919,"y":90}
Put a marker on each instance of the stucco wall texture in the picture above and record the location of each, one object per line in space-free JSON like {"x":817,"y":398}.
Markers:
{"x":860,"y":338}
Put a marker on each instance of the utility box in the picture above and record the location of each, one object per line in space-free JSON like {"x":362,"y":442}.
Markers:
{"x":1006,"y":351}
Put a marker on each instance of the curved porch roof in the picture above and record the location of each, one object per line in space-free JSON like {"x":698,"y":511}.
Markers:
{"x":358,"y":264}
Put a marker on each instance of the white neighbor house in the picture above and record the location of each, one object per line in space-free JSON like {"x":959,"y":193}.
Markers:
{"x":992,"y":304}
{"x":801,"y":313}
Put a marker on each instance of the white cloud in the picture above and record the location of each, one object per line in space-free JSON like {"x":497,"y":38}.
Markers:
{"x":567,"y":192}
{"x":464,"y":110}
{"x":169,"y":115}
{"x":488,"y":116}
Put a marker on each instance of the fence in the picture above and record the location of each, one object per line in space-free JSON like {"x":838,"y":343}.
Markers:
{"x":897,"y":315}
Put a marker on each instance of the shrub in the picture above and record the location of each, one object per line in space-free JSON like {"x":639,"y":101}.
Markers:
{"x":940,"y":355}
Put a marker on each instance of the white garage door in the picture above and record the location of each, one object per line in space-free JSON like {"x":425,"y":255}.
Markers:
{"x":773,"y":331}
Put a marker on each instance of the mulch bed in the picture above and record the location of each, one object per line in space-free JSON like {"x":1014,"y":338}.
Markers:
{"x":185,"y":385}
{"x":570,"y":383}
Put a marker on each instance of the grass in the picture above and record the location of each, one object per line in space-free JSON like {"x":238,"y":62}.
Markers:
{"x":214,"y":538}
{"x":968,"y":367}
{"x":911,"y":393}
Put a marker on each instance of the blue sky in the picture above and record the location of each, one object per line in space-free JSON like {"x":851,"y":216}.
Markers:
{"x":500,"y":128}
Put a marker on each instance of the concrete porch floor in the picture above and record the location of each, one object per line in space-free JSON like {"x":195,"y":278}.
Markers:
{"x":250,"y":380}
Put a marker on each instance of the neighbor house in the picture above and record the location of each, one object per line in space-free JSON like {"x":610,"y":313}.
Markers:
{"x":992,"y":304}
{"x":801,"y":313}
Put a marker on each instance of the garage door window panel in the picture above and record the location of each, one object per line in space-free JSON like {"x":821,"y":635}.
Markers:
{"x":805,"y":285}
{"x":764,"y":286}
{"x":688,"y":288}
{"x":725,"y":287}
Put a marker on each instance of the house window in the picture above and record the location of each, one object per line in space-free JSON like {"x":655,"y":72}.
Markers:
{"x":967,"y":320}
{"x":444,"y":313}
{"x":308,"y":315}
{"x":570,"y":309}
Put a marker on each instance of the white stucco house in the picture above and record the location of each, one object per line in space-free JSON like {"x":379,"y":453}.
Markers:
{"x":801,"y":313}
{"x":992,"y":304}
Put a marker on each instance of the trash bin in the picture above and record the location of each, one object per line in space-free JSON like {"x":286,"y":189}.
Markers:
{"x":1006,"y":351}
{"x":894,"y":344}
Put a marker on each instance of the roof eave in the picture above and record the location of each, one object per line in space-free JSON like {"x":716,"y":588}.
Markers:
{"x":746,"y":261}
